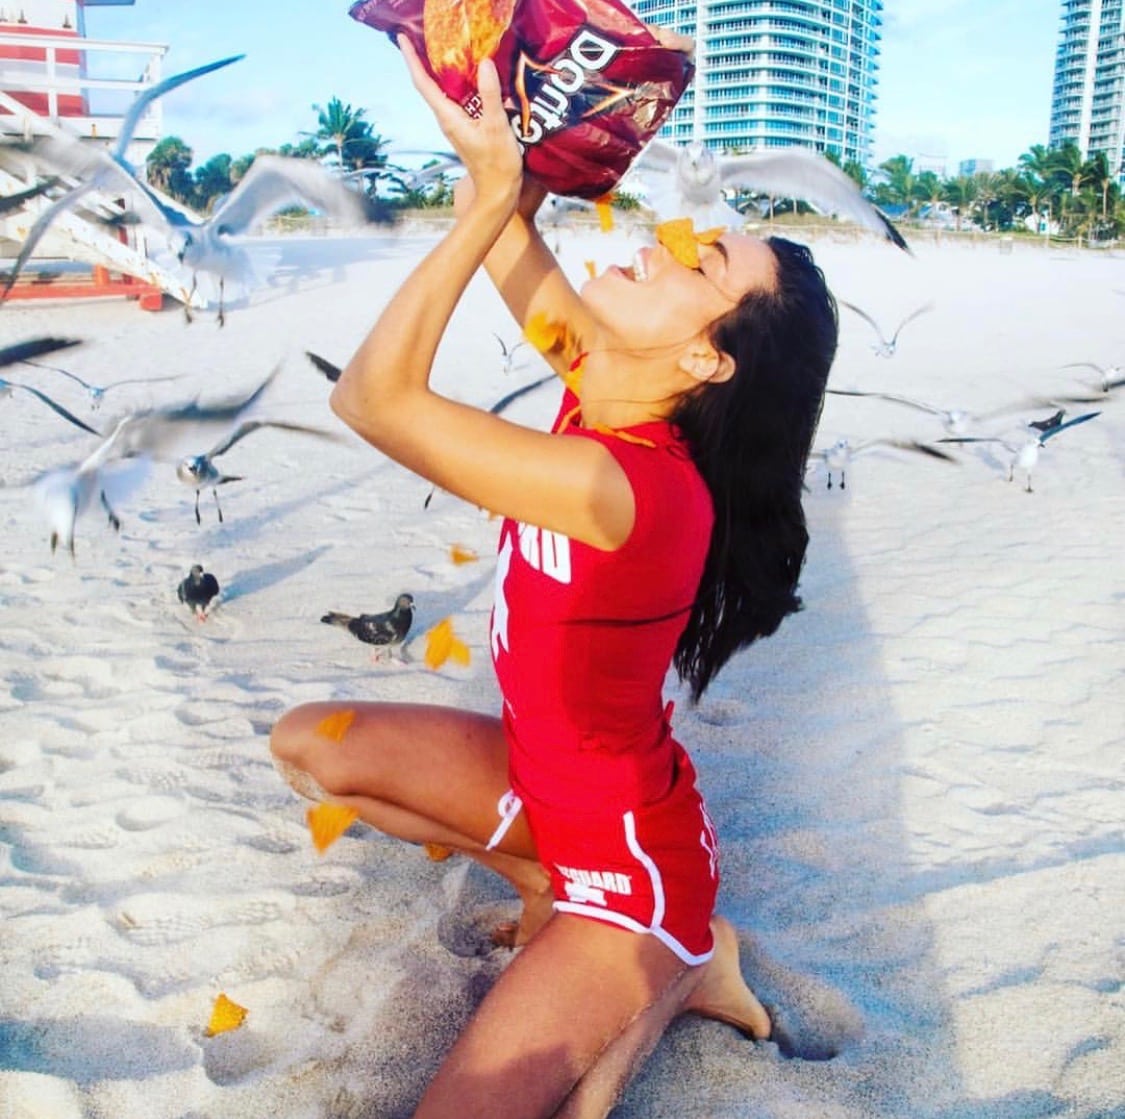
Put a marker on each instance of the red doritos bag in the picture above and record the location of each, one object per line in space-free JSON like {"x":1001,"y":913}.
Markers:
{"x":586,"y":84}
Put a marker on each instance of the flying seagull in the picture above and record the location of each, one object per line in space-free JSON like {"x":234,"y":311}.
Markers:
{"x":689,"y":181}
{"x":197,"y":590}
{"x":385,"y":630}
{"x":97,"y":392}
{"x":6,"y":387}
{"x":956,"y":421}
{"x":1025,"y":455}
{"x":839,"y":456}
{"x":1110,"y":377}
{"x":886,"y":347}
{"x":97,"y":167}
{"x":200,"y":471}
{"x":508,"y":353}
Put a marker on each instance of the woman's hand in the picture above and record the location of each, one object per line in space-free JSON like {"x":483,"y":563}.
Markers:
{"x":486,"y":145}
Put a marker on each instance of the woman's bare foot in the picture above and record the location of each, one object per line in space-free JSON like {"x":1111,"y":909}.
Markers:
{"x":537,"y":908}
{"x":721,"y":992}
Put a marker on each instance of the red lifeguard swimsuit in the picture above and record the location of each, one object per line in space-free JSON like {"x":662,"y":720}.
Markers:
{"x":582,"y":640}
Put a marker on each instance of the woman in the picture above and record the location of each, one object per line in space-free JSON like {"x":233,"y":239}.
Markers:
{"x":661,"y":519}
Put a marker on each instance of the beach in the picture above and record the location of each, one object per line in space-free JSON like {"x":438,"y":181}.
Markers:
{"x":917,"y":782}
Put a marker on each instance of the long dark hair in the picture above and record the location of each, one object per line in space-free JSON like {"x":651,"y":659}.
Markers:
{"x":750,"y":437}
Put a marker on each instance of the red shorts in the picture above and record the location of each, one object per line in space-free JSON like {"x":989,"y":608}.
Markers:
{"x":653,"y":869}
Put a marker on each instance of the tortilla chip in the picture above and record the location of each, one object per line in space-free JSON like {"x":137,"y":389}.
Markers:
{"x":679,"y":237}
{"x":437,"y":852}
{"x":327,"y":822}
{"x":335,"y":726}
{"x":604,"y":206}
{"x":443,"y":644}
{"x":225,"y":1015}
{"x":460,"y":555}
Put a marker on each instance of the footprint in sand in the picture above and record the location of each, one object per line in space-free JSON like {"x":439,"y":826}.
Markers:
{"x":812,"y":1020}
{"x":149,"y":812}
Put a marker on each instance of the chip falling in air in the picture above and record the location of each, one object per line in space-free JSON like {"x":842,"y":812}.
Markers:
{"x":461,"y":555}
{"x":679,"y":237}
{"x":443,"y":644}
{"x":327,"y":822}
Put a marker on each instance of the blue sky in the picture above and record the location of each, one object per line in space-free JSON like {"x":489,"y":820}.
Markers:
{"x":958,"y":79}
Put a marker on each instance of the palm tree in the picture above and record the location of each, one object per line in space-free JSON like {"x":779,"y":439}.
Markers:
{"x":345,"y":132}
{"x":166,"y":168}
{"x":960,"y":193}
{"x":213,"y":180}
{"x":897,"y":186}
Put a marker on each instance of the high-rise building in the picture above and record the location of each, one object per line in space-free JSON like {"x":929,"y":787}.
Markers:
{"x":1088,"y":100}
{"x":777,"y":73}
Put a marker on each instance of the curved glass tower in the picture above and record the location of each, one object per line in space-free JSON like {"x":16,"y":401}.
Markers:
{"x":776,"y":73}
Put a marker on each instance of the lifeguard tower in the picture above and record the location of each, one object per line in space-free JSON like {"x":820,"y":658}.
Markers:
{"x":54,"y":80}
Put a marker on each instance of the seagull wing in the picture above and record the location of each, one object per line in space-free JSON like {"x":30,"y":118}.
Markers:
{"x":980,"y":439}
{"x":33,"y":348}
{"x":906,"y":445}
{"x":12,"y":202}
{"x":53,"y":405}
{"x":146,"y":98}
{"x":804,"y":174}
{"x":154,"y":213}
{"x":910,"y":318}
{"x":505,"y":401}
{"x":658,"y":156}
{"x":247,"y":426}
{"x":59,"y":369}
{"x":274,"y":182}
{"x":1069,"y":423}
{"x":156,"y":432}
{"x":332,"y":372}
{"x":865,"y":316}
{"x":916,"y":404}
{"x":1084,"y":365}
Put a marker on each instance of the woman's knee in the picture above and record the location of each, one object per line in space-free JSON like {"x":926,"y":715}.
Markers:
{"x":293,"y":746}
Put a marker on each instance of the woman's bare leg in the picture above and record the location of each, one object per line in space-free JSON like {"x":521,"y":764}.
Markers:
{"x":563,"y":1027}
{"x":716,"y":989}
{"x":722,"y":993}
{"x":424,"y":774}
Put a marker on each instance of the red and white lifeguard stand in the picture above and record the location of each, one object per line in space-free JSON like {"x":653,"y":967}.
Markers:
{"x":52,"y":78}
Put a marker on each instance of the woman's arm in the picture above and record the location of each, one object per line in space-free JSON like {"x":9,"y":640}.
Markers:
{"x":572,"y":486}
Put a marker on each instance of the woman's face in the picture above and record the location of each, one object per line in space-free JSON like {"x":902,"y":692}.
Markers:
{"x":658,"y":303}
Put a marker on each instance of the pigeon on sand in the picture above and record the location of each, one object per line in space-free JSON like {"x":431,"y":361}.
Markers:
{"x":386,"y":631}
{"x":197,"y":590}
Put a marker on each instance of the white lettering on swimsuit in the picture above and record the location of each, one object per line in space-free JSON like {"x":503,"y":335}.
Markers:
{"x":546,"y":551}
{"x":591,"y":886}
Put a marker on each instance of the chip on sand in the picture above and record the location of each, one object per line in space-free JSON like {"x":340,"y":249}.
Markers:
{"x":226,"y":1015}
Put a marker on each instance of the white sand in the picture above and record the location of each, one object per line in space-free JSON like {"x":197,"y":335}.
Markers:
{"x":918,"y":781}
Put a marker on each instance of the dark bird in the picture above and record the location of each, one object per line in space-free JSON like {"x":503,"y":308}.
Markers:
{"x":33,"y":348}
{"x":839,"y":456}
{"x":10,"y":202}
{"x":200,"y":471}
{"x":1026,"y":455}
{"x":197,"y":590}
{"x":689,"y":181}
{"x":385,"y":630}
{"x":1048,"y":424}
{"x":885,"y":347}
{"x":332,"y":372}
